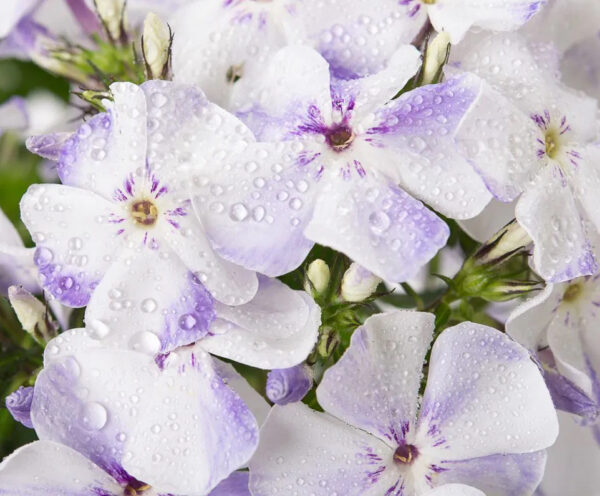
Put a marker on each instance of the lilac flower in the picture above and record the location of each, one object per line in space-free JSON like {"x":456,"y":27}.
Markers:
{"x":16,"y":261}
{"x":120,"y":235}
{"x":484,"y":420}
{"x":18,"y":403}
{"x":178,"y":425}
{"x":289,"y":385}
{"x":531,"y":139}
{"x":46,"y":468}
{"x":347,"y":146}
{"x":560,"y":326}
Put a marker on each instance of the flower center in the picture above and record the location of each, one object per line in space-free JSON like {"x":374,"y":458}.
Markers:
{"x":234,"y":73}
{"x":144,"y":212}
{"x":340,"y":137}
{"x":428,"y":2}
{"x":138,"y":489}
{"x":551,"y":141}
{"x":572,"y":292}
{"x":405,"y":454}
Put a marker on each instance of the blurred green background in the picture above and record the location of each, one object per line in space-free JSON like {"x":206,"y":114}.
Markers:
{"x":18,"y":169}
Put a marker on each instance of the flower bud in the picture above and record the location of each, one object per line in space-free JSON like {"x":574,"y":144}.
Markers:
{"x":156,"y":46}
{"x":18,"y":404}
{"x":358,"y":283}
{"x":435,"y":58}
{"x":318,"y":275}
{"x":32,"y":314}
{"x":112,"y":15}
{"x":504,"y":290}
{"x":289,"y":385}
{"x":510,"y":240}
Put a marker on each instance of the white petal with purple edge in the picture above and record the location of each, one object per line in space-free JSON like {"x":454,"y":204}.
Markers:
{"x":235,"y":485}
{"x":419,"y":129}
{"x":277,"y":329}
{"x":484,"y":396}
{"x":457,"y":16}
{"x":548,"y":211}
{"x":110,"y":146}
{"x":356,"y":39}
{"x":378,"y":225}
{"x":16,"y":261}
{"x":255,"y":205}
{"x":150,"y":302}
{"x":75,"y":237}
{"x":375,"y":385}
{"x":44,"y":468}
{"x":497,"y":475}
{"x":318,"y":454}
{"x":129,"y":427}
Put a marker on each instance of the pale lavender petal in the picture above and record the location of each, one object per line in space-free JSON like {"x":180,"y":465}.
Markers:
{"x":13,"y":115}
{"x":288,"y":385}
{"x":376,"y":224}
{"x":235,"y":485}
{"x":153,"y":287}
{"x":484,"y":396}
{"x":349,"y":461}
{"x":86,"y":18}
{"x":500,"y":475}
{"x":48,"y":146}
{"x":44,"y":468}
{"x":568,"y":397}
{"x":18,"y":403}
{"x":75,"y":239}
{"x":375,"y":384}
{"x":419,"y":128}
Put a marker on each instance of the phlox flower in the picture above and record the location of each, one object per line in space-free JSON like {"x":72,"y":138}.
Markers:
{"x":484,"y":420}
{"x":355,"y":161}
{"x":120,"y":234}
{"x":560,"y":326}
{"x":179,"y":425}
{"x":533,"y":140}
{"x":221,"y":44}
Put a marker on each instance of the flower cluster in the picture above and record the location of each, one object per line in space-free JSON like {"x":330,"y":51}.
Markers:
{"x":304,"y":248}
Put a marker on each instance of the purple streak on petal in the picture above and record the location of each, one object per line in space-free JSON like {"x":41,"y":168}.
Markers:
{"x":288,"y":385}
{"x":235,"y":485}
{"x":18,"y":403}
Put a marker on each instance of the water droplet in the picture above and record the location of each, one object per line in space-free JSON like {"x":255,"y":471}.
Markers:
{"x":149,"y":305}
{"x":93,"y":416}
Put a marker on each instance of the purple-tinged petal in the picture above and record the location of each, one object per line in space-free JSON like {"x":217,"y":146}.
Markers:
{"x":459,"y":16}
{"x":48,"y":146}
{"x":87,"y":19}
{"x":349,"y":461}
{"x":277,"y":329}
{"x":128,"y":427}
{"x":289,"y":385}
{"x":568,"y":397}
{"x":255,"y":208}
{"x":150,"y":302}
{"x":549,"y":212}
{"x":235,"y":485}
{"x":109,"y":146}
{"x":376,"y":224}
{"x":74,"y":237}
{"x":375,"y":385}
{"x":44,"y":468}
{"x":482,"y":385}
{"x":18,"y":403}
{"x":16,"y":261}
{"x":417,"y":133}
{"x":454,"y":490}
{"x":500,"y":475}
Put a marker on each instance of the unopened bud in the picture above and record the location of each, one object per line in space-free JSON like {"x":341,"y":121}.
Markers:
{"x":358,"y":283}
{"x":156,"y":46}
{"x":511,"y":239}
{"x":32,"y":314}
{"x":317,"y":275}
{"x":508,"y":290}
{"x":289,"y":385}
{"x":18,"y":403}
{"x":435,"y":58}
{"x":112,"y":15}
{"x":328,"y":342}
